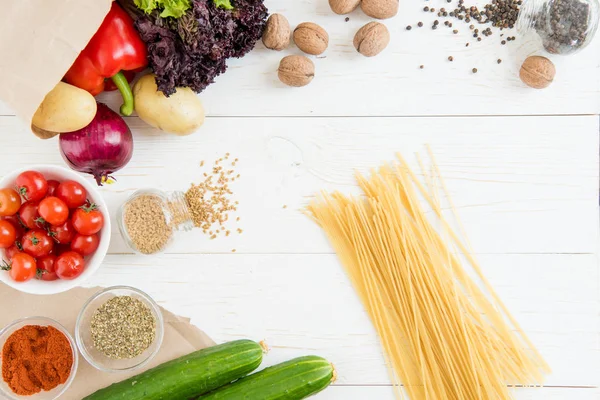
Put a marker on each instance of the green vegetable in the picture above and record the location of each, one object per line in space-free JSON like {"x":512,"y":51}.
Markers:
{"x":292,"y":380}
{"x":226,"y":4}
{"x":170,"y":8}
{"x":188,"y":376}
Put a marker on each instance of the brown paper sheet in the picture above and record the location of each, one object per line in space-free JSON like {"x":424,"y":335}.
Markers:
{"x":39,"y":41}
{"x":180,"y":336}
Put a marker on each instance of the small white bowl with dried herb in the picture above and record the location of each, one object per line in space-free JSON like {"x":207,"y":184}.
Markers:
{"x":119,"y":329}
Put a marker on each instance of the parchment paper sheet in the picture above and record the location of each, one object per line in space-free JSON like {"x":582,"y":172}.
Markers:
{"x":180,"y":336}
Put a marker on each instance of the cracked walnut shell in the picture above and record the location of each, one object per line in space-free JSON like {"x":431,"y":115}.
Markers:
{"x":371,"y":39}
{"x":296,"y":71}
{"x":277,"y":33}
{"x":311,"y":38}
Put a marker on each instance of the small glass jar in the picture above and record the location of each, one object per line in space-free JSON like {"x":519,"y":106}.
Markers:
{"x":149,"y":218}
{"x":564,"y":26}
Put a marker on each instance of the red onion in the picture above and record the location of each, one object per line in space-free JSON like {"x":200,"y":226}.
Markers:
{"x":101,"y":148}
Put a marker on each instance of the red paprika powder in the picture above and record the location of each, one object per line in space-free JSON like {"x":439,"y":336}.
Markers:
{"x":36,"y":358}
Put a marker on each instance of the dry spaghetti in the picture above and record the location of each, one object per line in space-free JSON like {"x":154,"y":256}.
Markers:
{"x":444,"y":336}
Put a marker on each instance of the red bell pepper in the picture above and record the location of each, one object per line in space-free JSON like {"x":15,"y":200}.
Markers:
{"x":116,"y":47}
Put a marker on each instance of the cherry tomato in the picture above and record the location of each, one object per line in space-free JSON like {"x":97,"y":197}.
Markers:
{"x":8,"y":234}
{"x":69,"y":265}
{"x":45,"y":268}
{"x":87,"y":220}
{"x":32,"y":185}
{"x":62,"y":234}
{"x":22,"y":267}
{"x":12,"y":250}
{"x":28,"y":214}
{"x":37,"y":243}
{"x":72,"y":193}
{"x":85,"y":245}
{"x":14,"y":220}
{"x":52,"y":185}
{"x":10,"y":202}
{"x":53,"y":210}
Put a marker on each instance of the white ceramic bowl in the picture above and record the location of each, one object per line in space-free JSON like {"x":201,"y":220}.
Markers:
{"x":58,"y":391}
{"x":92,"y":263}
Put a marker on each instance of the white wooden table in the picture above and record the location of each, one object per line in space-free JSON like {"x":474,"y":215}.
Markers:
{"x":521,"y":165}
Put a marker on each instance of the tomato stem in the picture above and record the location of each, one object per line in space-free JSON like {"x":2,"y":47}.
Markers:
{"x":23,"y":192}
{"x":53,"y":235}
{"x":89,"y":207}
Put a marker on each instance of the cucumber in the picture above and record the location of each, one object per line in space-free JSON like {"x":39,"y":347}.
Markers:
{"x":188,"y":376}
{"x":292,"y":380}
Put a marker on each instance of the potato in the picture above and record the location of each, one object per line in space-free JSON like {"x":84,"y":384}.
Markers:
{"x":181,"y":113}
{"x":65,"y":109}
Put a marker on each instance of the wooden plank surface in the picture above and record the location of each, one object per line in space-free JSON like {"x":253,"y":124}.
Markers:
{"x":521,"y":184}
{"x":304,"y":304}
{"x":521,"y":165}
{"x":391,"y":84}
{"x":386,"y":393}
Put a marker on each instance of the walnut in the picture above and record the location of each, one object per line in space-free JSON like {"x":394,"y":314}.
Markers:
{"x":277,"y":32}
{"x":311,"y":38}
{"x":371,"y":39}
{"x":343,"y":6}
{"x":380,"y":9}
{"x":296,"y":71}
{"x":537,"y":72}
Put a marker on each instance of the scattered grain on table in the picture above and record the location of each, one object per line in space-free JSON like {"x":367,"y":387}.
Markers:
{"x":210,"y":201}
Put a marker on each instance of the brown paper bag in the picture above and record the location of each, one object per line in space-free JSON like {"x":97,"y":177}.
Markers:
{"x":180,"y":336}
{"x":39,"y":41}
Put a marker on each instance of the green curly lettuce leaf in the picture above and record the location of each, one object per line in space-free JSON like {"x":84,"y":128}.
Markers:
{"x":167,"y":8}
{"x":226,"y":4}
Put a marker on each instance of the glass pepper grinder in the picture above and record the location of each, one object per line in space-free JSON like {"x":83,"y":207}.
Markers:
{"x":149,"y":219}
{"x":564,"y":26}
